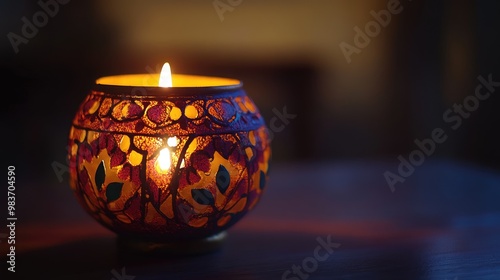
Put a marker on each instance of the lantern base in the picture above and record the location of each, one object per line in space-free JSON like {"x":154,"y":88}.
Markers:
{"x":192,"y":247}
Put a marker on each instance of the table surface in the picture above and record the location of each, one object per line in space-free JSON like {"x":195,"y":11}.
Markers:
{"x":442,"y":223}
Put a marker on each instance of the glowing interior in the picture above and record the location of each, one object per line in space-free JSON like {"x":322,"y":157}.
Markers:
{"x":164,"y":161}
{"x":178,"y":80}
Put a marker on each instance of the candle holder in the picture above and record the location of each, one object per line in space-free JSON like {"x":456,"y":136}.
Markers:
{"x":168,"y":169}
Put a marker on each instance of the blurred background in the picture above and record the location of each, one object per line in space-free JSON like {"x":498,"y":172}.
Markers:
{"x":288,"y":54}
{"x":355,"y":102}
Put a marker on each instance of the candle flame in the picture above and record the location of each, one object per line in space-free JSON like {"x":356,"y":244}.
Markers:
{"x":165,"y":76}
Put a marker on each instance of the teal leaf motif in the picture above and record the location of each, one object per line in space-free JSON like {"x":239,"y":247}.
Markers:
{"x":222,"y":179}
{"x":114,"y":191}
{"x":203,"y":196}
{"x":100,"y":175}
{"x":262,"y":183}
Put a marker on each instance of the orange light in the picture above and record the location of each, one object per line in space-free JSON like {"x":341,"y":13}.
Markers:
{"x":164,"y":161}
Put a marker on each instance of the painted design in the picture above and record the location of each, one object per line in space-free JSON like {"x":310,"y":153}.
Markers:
{"x":168,"y":167}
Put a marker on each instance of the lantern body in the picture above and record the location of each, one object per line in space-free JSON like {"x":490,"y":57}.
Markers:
{"x":168,"y":164}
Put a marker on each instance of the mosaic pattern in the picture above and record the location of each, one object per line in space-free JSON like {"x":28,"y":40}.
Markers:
{"x":168,"y":168}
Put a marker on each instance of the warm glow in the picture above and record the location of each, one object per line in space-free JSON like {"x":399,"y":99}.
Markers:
{"x":173,"y":141}
{"x":164,"y":160}
{"x":178,"y":80}
{"x":165,"y":76}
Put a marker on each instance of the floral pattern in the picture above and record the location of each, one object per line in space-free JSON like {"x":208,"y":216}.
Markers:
{"x":168,"y":167}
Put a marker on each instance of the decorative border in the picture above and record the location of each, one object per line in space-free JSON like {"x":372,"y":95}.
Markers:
{"x":169,"y":115}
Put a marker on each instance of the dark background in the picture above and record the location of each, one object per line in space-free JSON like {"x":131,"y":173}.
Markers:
{"x":287,"y":54}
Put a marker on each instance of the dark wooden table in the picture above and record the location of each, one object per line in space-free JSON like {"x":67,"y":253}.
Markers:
{"x":442,"y":223}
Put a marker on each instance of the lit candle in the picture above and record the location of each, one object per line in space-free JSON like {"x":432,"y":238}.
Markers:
{"x":165,"y":79}
{"x":168,"y":157}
